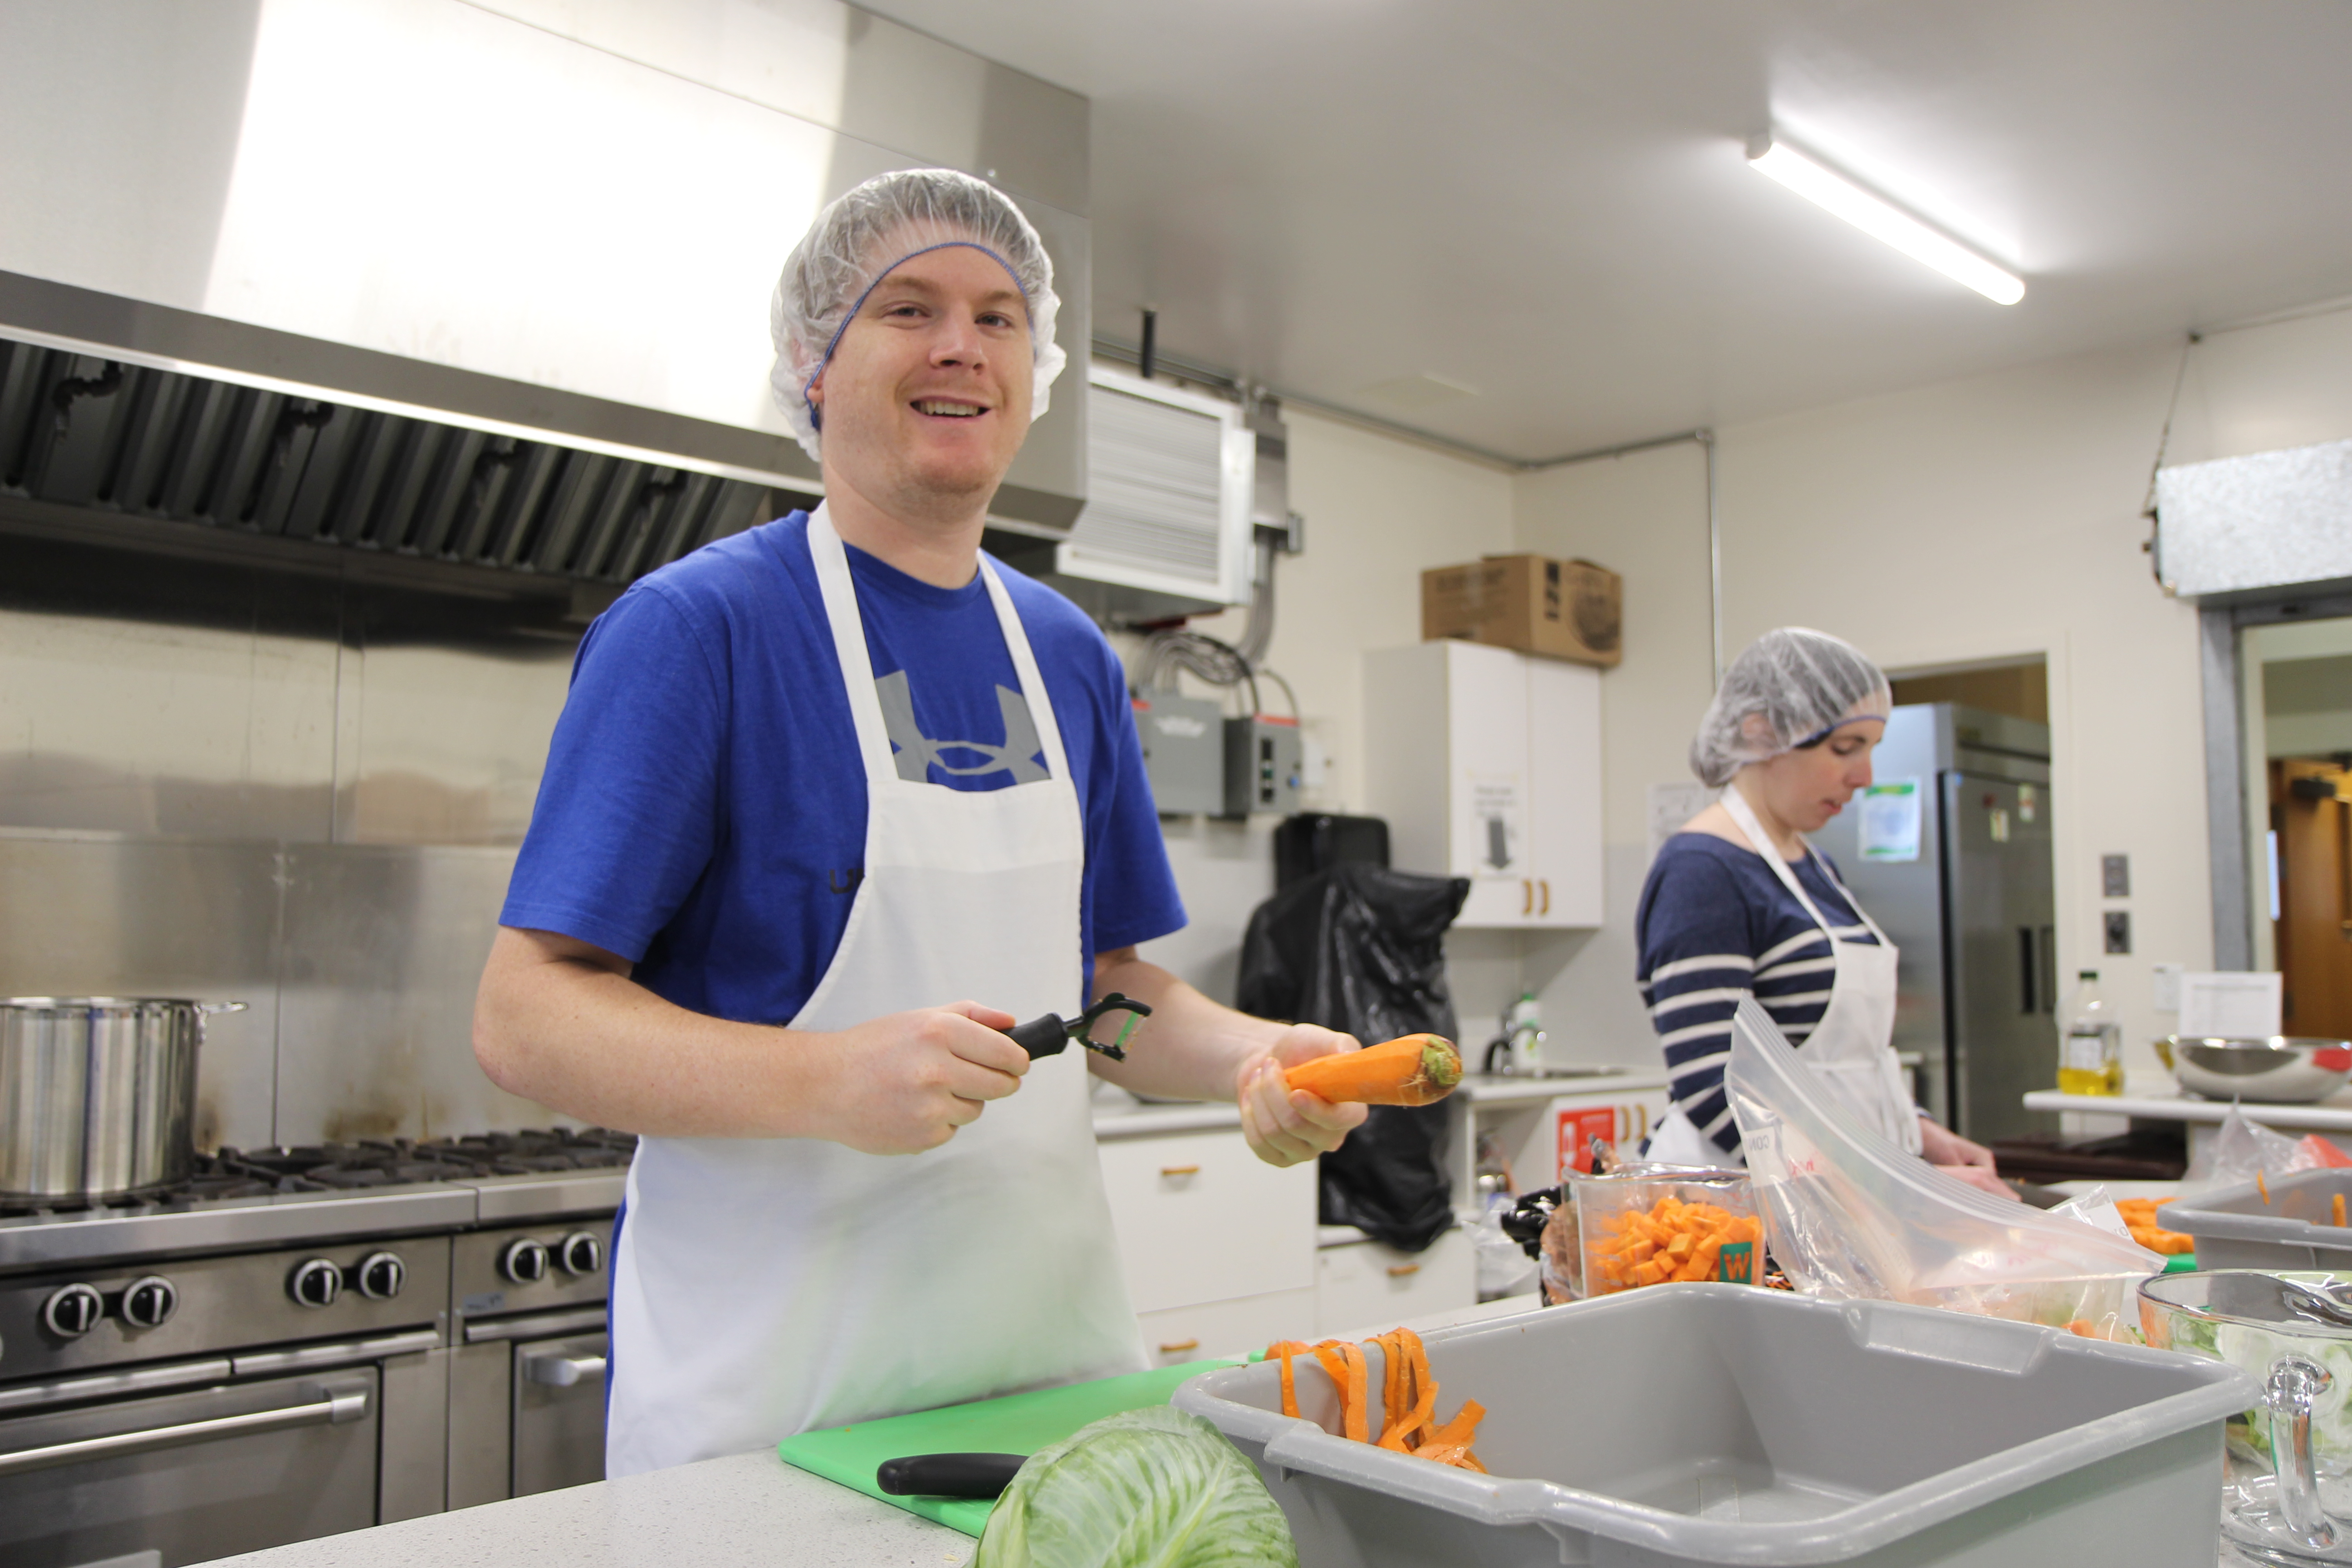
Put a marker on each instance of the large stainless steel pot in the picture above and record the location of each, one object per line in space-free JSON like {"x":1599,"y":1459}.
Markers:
{"x":98,"y":1093}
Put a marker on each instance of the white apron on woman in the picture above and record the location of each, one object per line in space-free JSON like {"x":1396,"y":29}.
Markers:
{"x":1851,"y":1049}
{"x":764,"y":1287}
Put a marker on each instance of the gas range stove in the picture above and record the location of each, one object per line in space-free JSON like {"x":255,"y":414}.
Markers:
{"x":354,"y":1332}
{"x":248,"y":1197}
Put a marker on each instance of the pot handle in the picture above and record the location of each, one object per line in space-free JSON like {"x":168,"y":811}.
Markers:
{"x":209,"y":1009}
{"x":2294,"y":1385}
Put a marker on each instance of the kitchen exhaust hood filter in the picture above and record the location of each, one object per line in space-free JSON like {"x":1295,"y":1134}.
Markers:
{"x":2272,"y":520}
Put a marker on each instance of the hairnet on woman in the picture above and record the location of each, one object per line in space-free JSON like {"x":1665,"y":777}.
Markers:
{"x":1739,"y":904}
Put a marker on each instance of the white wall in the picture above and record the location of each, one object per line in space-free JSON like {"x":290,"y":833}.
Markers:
{"x":1378,"y":511}
{"x":1644,"y":517}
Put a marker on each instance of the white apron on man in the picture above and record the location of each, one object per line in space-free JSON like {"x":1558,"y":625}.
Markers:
{"x":764,"y":1287}
{"x":1852,"y":1048}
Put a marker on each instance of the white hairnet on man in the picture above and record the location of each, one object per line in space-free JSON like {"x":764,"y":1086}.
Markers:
{"x":860,"y":237}
{"x":1791,"y":687}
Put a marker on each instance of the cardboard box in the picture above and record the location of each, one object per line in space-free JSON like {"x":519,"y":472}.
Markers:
{"x":1567,"y":609}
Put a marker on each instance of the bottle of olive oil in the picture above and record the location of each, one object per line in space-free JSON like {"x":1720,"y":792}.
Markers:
{"x":2091,"y":1049}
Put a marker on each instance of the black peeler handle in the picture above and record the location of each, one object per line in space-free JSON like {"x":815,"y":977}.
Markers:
{"x":1048,"y":1037}
{"x":1044,"y":1036}
{"x":976,"y":1475}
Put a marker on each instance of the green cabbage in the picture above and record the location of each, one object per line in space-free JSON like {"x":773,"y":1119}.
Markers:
{"x":1151,"y":1488}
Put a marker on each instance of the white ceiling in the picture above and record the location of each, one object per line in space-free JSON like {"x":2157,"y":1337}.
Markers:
{"x":1548,"y":201}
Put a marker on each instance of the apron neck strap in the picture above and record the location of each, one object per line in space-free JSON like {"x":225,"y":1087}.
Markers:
{"x":839,"y":592}
{"x":1761,"y":842}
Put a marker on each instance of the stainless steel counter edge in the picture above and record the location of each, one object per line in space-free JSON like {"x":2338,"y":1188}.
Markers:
{"x":47,"y":1240}
{"x":545,"y":1197}
{"x":249,"y":1222}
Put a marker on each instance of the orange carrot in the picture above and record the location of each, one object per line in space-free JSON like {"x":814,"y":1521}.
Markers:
{"x":2262,"y":1187}
{"x":1283,"y":1351}
{"x":2335,"y":1208}
{"x":1412,"y":1069}
{"x":1408,"y":1397}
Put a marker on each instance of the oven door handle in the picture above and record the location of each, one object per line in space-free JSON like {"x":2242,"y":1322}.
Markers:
{"x":559,"y":1371}
{"x":327,"y":1406}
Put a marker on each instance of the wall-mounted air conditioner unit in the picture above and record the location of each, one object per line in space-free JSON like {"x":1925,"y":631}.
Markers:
{"x":1171,"y":477}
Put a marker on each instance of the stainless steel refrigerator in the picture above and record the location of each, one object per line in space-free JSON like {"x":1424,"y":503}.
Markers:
{"x":1949,"y":853}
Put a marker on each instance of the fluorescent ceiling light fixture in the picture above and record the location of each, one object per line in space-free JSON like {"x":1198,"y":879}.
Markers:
{"x":1876,"y":218}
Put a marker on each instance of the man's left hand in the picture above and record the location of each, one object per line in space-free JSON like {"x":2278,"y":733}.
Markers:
{"x":1283,"y":1125}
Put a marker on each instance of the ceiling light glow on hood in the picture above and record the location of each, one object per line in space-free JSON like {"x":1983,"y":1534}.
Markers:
{"x":1874,"y":216}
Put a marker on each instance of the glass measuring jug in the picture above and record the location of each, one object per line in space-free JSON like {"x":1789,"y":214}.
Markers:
{"x":2286,"y":1495}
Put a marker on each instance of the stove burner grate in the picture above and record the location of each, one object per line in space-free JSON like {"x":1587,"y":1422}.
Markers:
{"x":367,"y":1165}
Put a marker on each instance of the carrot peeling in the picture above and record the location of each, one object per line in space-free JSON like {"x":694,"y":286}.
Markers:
{"x":2262,"y":1187}
{"x":1408,"y":1397}
{"x":1411,"y":1069}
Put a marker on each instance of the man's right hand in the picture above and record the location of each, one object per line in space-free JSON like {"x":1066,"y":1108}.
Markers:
{"x":903,"y":1084}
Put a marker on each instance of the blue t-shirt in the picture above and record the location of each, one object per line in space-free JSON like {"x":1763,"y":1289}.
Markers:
{"x":1714,"y":925}
{"x":703,"y":813}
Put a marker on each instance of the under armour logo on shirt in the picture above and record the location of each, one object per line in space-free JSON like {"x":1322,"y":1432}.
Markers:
{"x":917,"y":753}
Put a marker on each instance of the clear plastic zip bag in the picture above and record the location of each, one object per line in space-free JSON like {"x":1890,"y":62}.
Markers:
{"x":1851,"y":1215}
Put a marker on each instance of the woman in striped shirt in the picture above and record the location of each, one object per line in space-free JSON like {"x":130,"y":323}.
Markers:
{"x":1738,"y":904}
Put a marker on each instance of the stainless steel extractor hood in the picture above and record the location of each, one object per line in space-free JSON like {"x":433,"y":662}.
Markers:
{"x":468,"y":286}
{"x":117,"y":417}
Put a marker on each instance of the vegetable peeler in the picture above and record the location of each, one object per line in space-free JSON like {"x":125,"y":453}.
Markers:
{"x":1045,"y":1037}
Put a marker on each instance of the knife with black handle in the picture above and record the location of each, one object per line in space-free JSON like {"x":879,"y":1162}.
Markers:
{"x":973,"y":1476}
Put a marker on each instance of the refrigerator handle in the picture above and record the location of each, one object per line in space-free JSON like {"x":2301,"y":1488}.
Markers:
{"x":2026,"y":965}
{"x":2050,"y":969}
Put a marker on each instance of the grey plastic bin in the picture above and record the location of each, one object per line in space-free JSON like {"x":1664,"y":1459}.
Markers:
{"x":2235,"y":1228}
{"x":1689,"y":1425}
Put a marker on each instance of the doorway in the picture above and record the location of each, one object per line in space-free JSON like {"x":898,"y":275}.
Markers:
{"x":2295,"y":696}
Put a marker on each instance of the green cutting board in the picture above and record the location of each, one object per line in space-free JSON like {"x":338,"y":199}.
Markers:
{"x":1016,"y":1424}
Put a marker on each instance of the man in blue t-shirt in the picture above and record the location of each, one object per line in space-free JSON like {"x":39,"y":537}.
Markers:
{"x":833,"y":804}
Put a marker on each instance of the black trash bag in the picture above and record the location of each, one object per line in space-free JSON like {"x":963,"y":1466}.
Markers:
{"x":1360,"y":948}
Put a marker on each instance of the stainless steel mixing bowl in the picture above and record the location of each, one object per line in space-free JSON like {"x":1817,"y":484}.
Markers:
{"x":2284,"y":1069}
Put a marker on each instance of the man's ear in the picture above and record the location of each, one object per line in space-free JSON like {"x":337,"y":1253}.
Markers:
{"x":816,"y":389}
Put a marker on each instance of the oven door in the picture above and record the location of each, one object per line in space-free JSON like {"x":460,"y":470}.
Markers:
{"x":189,"y":1477}
{"x":559,"y":1413}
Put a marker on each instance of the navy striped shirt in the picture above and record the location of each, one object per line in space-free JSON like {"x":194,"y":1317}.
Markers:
{"x":1714,"y":925}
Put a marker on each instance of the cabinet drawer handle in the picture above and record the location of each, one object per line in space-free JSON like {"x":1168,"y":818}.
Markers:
{"x":1399,"y":1270}
{"x":1171,"y":1349}
{"x":1545,"y":883}
{"x":1526,"y":897}
{"x":1179,"y":1170}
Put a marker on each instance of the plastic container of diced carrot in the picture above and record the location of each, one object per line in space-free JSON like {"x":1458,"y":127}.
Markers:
{"x":1658,"y":1228}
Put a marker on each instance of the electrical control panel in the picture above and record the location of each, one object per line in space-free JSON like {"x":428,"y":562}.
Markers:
{"x":1183,"y":750}
{"x":1261,"y":765}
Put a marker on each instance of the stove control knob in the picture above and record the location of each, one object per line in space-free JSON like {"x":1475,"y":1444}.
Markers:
{"x":73,"y":1312}
{"x":149,"y":1303}
{"x":581,"y":1252}
{"x":315,"y":1283}
{"x":524,"y":1262}
{"x":381,"y":1274}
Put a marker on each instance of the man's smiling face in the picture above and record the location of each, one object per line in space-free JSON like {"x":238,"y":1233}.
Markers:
{"x":927,"y":397}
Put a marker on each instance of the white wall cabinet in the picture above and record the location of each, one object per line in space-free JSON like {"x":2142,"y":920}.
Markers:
{"x":1362,"y":1284}
{"x":1486,"y":764}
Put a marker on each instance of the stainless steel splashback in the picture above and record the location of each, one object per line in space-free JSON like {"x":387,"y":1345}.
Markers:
{"x":237,"y":784}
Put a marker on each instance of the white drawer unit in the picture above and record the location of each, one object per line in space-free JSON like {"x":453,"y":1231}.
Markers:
{"x":1179,"y":1334}
{"x":1368,"y":1285}
{"x":1200,"y":1218}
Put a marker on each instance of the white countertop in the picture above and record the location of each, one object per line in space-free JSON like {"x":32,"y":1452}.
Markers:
{"x":1505,"y":1088}
{"x":749,"y":1510}
{"x":2146,"y":1101}
{"x":1119,"y":1114}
